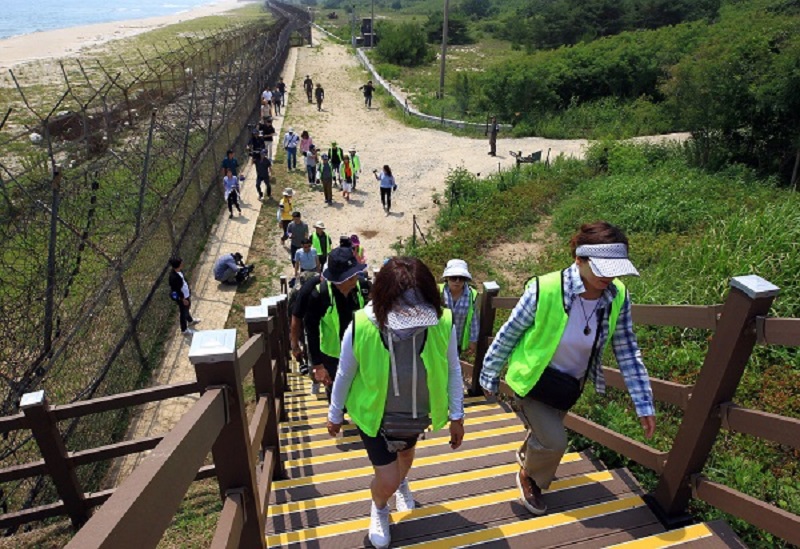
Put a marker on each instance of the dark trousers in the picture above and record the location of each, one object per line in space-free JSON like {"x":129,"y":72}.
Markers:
{"x":233,"y":200}
{"x":291,"y":157}
{"x":185,"y":315}
{"x":335,"y":168}
{"x":493,"y":145}
{"x":327,"y":188}
{"x":285,"y":225}
{"x":265,"y":180}
{"x":319,"y":103}
{"x":368,"y":101}
{"x":309,"y":93}
{"x":386,"y":198}
{"x":293,"y":250}
{"x":312,"y":173}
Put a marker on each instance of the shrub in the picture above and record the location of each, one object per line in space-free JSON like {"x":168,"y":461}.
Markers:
{"x":403,"y":44}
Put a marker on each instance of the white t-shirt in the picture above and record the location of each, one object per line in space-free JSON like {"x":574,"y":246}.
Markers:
{"x":266,"y":95}
{"x":575,"y":348}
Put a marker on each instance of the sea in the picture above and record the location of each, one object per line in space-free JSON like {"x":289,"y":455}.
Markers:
{"x":27,"y":16}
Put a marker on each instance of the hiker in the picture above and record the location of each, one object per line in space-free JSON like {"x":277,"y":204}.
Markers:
{"x":358,"y":249}
{"x":282,"y":89}
{"x":311,"y":159}
{"x":493,"y":130}
{"x":229,"y":163}
{"x":368,"y":89}
{"x":346,"y":174}
{"x":405,"y":331}
{"x":321,"y":242}
{"x":290,"y":142}
{"x":387,"y":186}
{"x":325,"y":173}
{"x":298,"y":305}
{"x":297,"y":231}
{"x":267,"y":131}
{"x":255,"y":145}
{"x":335,"y":154}
{"x":230,"y":185}
{"x":356,"y":160}
{"x":230,"y":269}
{"x":308,"y":85}
{"x":263,"y":171}
{"x":554,"y":340}
{"x":305,"y":142}
{"x":182,"y":295}
{"x":277,"y":100}
{"x":285,"y":212}
{"x":266,"y":102}
{"x":319,"y":95}
{"x":306,"y":259}
{"x":330,"y":309}
{"x":460,"y":297}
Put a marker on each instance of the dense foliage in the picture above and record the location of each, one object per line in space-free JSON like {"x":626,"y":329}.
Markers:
{"x":457,"y":28}
{"x":403,"y":44}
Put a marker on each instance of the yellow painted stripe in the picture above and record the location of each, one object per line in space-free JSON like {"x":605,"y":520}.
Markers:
{"x":323,"y":430}
{"x":668,"y":539}
{"x":418,"y":462}
{"x":522,"y":527}
{"x":354,"y":454}
{"x":455,"y":506}
{"x":428,"y":484}
{"x":315,"y":405}
{"x":331,"y":441}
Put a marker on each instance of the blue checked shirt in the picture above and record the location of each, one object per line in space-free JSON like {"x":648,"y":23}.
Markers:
{"x":460,"y":309}
{"x":623,"y":342}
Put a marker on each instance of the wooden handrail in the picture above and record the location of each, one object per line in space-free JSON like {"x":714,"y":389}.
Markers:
{"x":663,"y":391}
{"x":778,"y":331}
{"x":249,"y":353}
{"x":763,"y":425}
{"x":12,"y":423}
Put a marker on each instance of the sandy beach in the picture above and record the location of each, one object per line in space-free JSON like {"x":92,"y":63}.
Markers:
{"x":68,"y":42}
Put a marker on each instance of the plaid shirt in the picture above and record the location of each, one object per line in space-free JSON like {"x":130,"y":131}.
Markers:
{"x":460,"y":309}
{"x":623,"y":342}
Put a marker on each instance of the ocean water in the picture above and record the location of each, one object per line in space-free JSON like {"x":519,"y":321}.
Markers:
{"x":26,"y":16}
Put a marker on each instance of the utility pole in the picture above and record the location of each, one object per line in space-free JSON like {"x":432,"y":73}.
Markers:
{"x":444,"y":47}
{"x":372,"y":27}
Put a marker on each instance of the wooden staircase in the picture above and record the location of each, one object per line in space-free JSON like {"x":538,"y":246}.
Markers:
{"x":465,"y":497}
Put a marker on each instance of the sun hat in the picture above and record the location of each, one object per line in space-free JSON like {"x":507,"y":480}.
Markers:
{"x":411,"y":311}
{"x":456,"y":267}
{"x":288,"y":191}
{"x":319,"y":225}
{"x":608,"y":260}
{"x":354,"y":239}
{"x":341,"y":266}
{"x":291,"y":130}
{"x":352,"y":148}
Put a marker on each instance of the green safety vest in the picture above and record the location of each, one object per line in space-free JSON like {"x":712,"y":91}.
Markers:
{"x":539,"y":342}
{"x":473,"y":296}
{"x":366,"y":400}
{"x":330,"y":340}
{"x":316,"y":243}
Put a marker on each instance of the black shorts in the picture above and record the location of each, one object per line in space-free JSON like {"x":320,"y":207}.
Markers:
{"x":378,"y":453}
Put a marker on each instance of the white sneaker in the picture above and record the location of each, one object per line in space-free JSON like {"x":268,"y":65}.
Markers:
{"x":404,"y":499}
{"x":195,"y":321}
{"x":379,"y":535}
{"x":188,"y":332}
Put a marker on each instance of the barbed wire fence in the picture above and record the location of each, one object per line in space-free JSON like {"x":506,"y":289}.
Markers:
{"x":97,"y":189}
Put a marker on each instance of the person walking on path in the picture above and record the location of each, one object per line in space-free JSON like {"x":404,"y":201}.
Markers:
{"x":297,"y":231}
{"x":321,"y":242}
{"x":229,"y":163}
{"x":255,"y":145}
{"x":267,"y":131}
{"x":387,"y":186}
{"x":277,"y":101}
{"x":282,"y":89}
{"x":319,"y":95}
{"x":336,"y":154}
{"x":460,"y":297}
{"x":308,"y":85}
{"x":306,"y":259}
{"x":311,"y":159}
{"x":368,"y":90}
{"x":356,"y":161}
{"x":330,"y":309}
{"x":182,"y":295}
{"x":325,"y":173}
{"x":230,"y":184}
{"x":554,"y":340}
{"x":405,"y":331}
{"x":266,"y":102}
{"x":305,"y":142}
{"x":493,"y":130}
{"x":263,"y":172}
{"x":346,"y":174}
{"x":285,"y":210}
{"x":290,"y":142}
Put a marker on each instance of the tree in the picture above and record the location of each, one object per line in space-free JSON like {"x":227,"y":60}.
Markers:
{"x":457,"y":30}
{"x":476,"y":9}
{"x":403,"y":44}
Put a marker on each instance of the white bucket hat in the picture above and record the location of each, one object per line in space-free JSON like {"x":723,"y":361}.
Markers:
{"x":288,"y":191}
{"x":608,"y":260}
{"x":456,"y":267}
{"x":319,"y":225}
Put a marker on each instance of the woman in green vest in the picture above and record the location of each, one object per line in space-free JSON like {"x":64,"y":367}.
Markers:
{"x":554,"y":339}
{"x":398,"y":375}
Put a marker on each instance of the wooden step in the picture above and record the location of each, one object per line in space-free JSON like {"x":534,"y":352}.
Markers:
{"x":707,"y":535}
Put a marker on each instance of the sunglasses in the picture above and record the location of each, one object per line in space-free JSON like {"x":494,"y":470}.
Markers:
{"x":457,"y":278}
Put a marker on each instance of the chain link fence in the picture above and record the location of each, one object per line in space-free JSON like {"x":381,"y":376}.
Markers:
{"x":109,"y":167}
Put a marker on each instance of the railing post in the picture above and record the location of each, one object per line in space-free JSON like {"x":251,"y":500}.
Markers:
{"x":278,"y":308}
{"x":264,"y":380}
{"x":213,"y":354}
{"x":54,"y":452}
{"x":728,"y":353}
{"x":486,"y":324}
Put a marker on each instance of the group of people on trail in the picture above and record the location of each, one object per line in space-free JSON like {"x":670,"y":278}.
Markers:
{"x":314,"y":92}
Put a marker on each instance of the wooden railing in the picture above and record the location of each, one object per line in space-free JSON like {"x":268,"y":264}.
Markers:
{"x":246,"y":455}
{"x":708,"y":406}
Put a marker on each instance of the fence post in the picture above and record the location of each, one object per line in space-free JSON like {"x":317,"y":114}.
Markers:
{"x":280,"y":347}
{"x":213,"y":354}
{"x":728,"y":353}
{"x":264,"y":380}
{"x":49,"y":305}
{"x":145,"y":168}
{"x":486,"y":324}
{"x":54,"y":452}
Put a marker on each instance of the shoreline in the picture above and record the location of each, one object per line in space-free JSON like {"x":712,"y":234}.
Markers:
{"x":69,"y":42}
